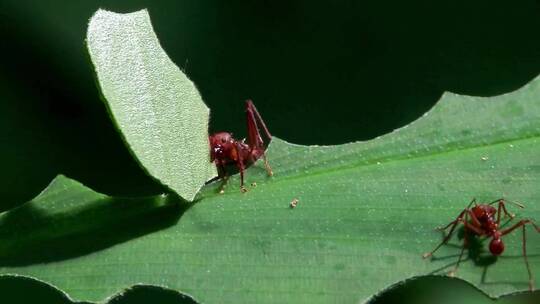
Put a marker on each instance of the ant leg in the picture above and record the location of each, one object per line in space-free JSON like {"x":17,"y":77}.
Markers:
{"x":242,"y":188}
{"x":519,"y":224}
{"x":267,"y":165}
{"x":446,"y":227}
{"x":502,"y":206}
{"x":222,"y":174}
{"x":241,"y":168}
{"x":253,"y":120}
{"x":465,"y":245}
{"x":505,"y":201}
{"x":453,"y":224}
{"x":251,"y":108}
{"x":497,"y":201}
{"x":255,"y":140}
{"x":522,"y":224}
{"x":524,"y":246}
{"x":475,"y":222}
{"x":221,"y":169}
{"x":474,"y":227}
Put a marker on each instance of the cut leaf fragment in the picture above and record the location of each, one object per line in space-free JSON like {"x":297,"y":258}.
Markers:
{"x":157,"y":109}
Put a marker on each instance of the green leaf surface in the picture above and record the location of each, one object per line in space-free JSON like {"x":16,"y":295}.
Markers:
{"x":156,"y":107}
{"x":366,"y":213}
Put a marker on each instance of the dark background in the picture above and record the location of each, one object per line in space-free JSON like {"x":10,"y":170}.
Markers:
{"x":320,"y":72}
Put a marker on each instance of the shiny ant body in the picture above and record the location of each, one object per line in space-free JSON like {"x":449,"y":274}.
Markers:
{"x":485,"y":220}
{"x":226,"y":150}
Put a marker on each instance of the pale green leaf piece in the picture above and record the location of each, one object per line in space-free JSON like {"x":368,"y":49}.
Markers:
{"x":366,"y":213}
{"x":157,"y":109}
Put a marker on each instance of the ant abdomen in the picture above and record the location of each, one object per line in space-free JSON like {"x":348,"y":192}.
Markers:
{"x":496,"y":246}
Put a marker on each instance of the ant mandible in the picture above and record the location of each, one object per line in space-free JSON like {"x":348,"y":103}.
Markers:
{"x":225,"y":150}
{"x":480,"y":220}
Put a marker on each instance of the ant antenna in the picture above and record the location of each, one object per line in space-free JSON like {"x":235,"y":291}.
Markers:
{"x":507,"y":201}
{"x":520,"y":205}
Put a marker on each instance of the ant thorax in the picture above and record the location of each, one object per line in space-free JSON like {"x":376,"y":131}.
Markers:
{"x":490,"y":226}
{"x":485,"y":214}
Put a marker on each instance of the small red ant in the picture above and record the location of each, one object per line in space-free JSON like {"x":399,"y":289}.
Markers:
{"x":225,"y":150}
{"x":480,"y":220}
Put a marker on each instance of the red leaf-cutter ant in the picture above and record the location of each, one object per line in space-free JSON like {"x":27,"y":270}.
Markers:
{"x":225,"y":150}
{"x":484,"y":220}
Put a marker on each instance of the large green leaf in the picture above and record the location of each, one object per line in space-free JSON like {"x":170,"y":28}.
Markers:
{"x":366,"y":213}
{"x":156,"y":107}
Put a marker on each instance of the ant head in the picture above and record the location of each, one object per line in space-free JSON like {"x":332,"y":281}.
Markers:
{"x":221,"y":138}
{"x":220,"y":144}
{"x":483,"y":211}
{"x":496,"y":246}
{"x":490,"y":209}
